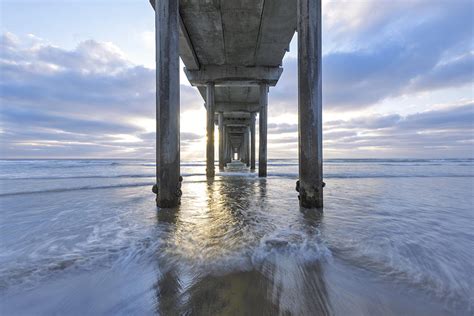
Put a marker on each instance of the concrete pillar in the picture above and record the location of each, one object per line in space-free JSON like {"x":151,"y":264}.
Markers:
{"x":210,"y":130}
{"x":224,"y":136}
{"x":252,"y":141}
{"x":220,"y":118}
{"x":247,"y":144}
{"x":167,"y":104}
{"x":229,"y":149}
{"x":310,"y":185}
{"x":262,"y":150}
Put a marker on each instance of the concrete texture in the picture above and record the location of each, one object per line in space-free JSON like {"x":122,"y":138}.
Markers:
{"x":220,"y":123}
{"x":236,"y":47}
{"x":252,"y":141}
{"x":310,"y":104}
{"x":210,"y":168}
{"x":167,"y":104}
{"x":262,"y":124}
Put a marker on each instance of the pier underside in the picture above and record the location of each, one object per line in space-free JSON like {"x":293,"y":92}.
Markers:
{"x":232,"y":51}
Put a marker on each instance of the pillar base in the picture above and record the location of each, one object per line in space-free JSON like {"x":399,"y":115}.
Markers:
{"x":175,"y":197}
{"x":168,"y":203}
{"x":310,"y":197}
{"x":307,"y":201}
{"x":210,"y":173}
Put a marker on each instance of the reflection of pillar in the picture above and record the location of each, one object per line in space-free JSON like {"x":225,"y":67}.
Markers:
{"x":167,"y":103}
{"x":221,"y":140}
{"x":262,"y":150}
{"x":310,"y":104}
{"x":210,"y":130}
{"x":252,"y":141}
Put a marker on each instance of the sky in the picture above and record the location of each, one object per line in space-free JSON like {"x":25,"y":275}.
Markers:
{"x":77,"y":80}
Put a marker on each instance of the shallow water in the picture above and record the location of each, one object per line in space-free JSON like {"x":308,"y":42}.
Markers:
{"x":84,"y":237}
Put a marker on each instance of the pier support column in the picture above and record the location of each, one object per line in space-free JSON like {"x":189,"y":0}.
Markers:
{"x":262,"y":149}
{"x":310,"y":185}
{"x":167,"y":104}
{"x":247,"y":144}
{"x":220,"y":119}
{"x":239,"y":156}
{"x":210,"y":130}
{"x":228,"y":148}
{"x":252,"y":141}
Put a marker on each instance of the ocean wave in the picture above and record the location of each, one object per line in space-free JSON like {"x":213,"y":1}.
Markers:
{"x":120,"y":176}
{"x":27,"y":274}
{"x":392,"y":265}
{"x":87,"y":187}
{"x":220,"y":177}
{"x":372,"y":176}
{"x":80,"y":177}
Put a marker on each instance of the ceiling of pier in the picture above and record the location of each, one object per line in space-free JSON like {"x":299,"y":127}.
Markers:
{"x":249,"y":33}
{"x":239,"y":32}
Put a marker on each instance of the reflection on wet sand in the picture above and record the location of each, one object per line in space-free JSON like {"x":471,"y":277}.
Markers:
{"x":199,"y":278}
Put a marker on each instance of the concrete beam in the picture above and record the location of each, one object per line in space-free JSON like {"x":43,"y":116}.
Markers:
{"x":236,"y":129}
{"x":186,"y":48}
{"x":236,"y":107}
{"x":232,"y":120}
{"x":233,"y":75}
{"x":236,"y":115}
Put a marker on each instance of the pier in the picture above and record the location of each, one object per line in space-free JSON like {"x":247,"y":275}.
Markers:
{"x":233,"y":51}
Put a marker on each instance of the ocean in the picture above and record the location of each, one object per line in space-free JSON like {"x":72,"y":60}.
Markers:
{"x":84,"y":237}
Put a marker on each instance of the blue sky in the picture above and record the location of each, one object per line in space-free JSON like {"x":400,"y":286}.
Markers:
{"x":77,"y":80}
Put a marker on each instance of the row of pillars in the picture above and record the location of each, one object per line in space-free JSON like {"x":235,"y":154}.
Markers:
{"x":246,"y":150}
{"x":310,"y":184}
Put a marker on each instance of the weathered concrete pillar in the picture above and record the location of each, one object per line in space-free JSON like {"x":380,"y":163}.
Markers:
{"x":247,"y":144}
{"x":224,"y":136}
{"x":210,"y":129}
{"x":310,"y":185}
{"x":252,"y":141}
{"x":240,"y":152}
{"x":167,"y":104}
{"x":262,"y":150}
{"x":229,"y":148}
{"x":220,"y":119}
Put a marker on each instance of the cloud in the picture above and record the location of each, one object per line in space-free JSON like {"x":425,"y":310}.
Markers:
{"x":387,"y":49}
{"x":76,"y":100}
{"x":446,"y":132}
{"x":92,"y":101}
{"x":281,"y":128}
{"x":443,"y":132}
